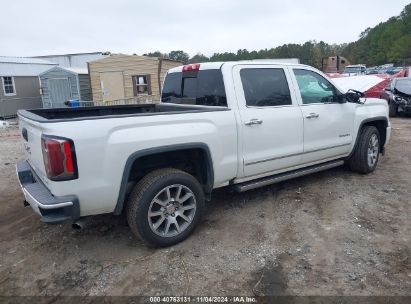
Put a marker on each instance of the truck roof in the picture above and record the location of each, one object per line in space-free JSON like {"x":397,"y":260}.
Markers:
{"x":218,"y":65}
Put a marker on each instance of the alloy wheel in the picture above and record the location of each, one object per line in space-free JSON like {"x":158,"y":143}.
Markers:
{"x":172,"y":210}
{"x":373,"y":149}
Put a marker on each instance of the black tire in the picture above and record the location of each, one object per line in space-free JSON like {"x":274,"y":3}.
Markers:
{"x":393,"y":109}
{"x":358,"y":161}
{"x":142,"y":196}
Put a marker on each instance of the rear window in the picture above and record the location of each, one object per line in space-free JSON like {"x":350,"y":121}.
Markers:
{"x":204,"y":87}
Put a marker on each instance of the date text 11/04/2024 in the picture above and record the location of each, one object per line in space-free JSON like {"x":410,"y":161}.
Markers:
{"x":203,"y":299}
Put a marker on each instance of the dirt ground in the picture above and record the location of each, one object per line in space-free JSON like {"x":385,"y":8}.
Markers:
{"x":331,"y":233}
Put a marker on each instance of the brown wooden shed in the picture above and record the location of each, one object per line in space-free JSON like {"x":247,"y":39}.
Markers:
{"x":334,"y":64}
{"x":128,"y":77}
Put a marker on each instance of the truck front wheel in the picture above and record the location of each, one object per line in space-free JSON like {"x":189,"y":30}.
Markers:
{"x":393,"y":109}
{"x":165,"y":207}
{"x":365,"y":156}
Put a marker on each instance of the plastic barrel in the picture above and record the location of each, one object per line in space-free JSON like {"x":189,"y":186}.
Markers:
{"x":74,"y":103}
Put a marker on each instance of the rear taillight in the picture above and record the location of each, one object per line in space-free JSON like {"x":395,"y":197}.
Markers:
{"x":59,"y":158}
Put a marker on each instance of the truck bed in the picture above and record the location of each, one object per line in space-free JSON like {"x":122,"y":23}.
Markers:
{"x":100,"y":112}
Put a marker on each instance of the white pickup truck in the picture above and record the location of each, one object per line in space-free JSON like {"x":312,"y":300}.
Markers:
{"x":239,"y":124}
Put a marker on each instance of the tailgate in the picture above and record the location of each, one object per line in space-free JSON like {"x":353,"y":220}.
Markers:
{"x":31,"y":137}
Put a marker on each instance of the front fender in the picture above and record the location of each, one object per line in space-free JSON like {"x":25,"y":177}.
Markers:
{"x":372,"y":111}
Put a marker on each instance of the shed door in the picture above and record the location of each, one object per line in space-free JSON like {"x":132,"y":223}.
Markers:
{"x":60,"y":91}
{"x":112,"y":85}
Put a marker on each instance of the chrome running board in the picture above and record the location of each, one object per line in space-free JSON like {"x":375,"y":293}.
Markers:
{"x":261,"y":182}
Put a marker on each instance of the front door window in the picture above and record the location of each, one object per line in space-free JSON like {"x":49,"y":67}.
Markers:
{"x":314,"y":88}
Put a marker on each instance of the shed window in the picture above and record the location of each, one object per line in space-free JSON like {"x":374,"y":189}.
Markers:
{"x":8,"y":86}
{"x":142,"y":85}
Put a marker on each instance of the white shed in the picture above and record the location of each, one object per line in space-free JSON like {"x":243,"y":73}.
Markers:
{"x":61,"y":84}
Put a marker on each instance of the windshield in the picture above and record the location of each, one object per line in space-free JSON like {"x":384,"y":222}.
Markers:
{"x":204,"y":87}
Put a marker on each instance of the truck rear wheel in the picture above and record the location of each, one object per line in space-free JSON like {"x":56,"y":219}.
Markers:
{"x":365,"y":156}
{"x":165,"y":207}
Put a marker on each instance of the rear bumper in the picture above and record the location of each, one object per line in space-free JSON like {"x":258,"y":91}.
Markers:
{"x":52,"y":209}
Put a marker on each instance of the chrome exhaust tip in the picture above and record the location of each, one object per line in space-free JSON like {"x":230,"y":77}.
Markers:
{"x":78,"y":225}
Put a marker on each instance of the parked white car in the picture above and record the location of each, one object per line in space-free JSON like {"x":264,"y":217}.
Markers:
{"x":237,"y":124}
{"x":354,"y":70}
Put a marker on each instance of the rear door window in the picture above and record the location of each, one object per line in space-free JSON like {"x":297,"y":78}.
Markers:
{"x":265,"y":87}
{"x":204,"y":87}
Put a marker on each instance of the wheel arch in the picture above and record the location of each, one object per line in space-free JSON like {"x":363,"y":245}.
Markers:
{"x":381,"y":123}
{"x":157,"y":151}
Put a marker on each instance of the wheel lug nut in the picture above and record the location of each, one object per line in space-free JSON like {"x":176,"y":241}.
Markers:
{"x":173,"y":214}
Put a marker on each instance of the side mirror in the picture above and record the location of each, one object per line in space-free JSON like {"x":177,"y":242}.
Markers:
{"x":341,"y":98}
{"x":353,"y":96}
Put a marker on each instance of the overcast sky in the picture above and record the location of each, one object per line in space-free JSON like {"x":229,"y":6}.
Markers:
{"x":46,"y":27}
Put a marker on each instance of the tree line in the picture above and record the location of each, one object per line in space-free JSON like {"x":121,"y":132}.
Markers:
{"x":388,"y":42}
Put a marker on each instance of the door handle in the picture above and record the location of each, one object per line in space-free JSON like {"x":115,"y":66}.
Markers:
{"x":253,"y":121}
{"x":312,"y":115}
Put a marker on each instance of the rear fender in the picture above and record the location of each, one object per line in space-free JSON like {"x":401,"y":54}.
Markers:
{"x":135,"y":156}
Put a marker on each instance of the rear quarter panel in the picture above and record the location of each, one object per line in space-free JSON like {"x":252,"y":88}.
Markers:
{"x":32,"y":145}
{"x":104,"y":145}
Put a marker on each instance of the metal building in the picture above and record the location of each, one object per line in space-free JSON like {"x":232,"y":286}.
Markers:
{"x":19,"y":83}
{"x":78,"y":60}
{"x":61,"y":84}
